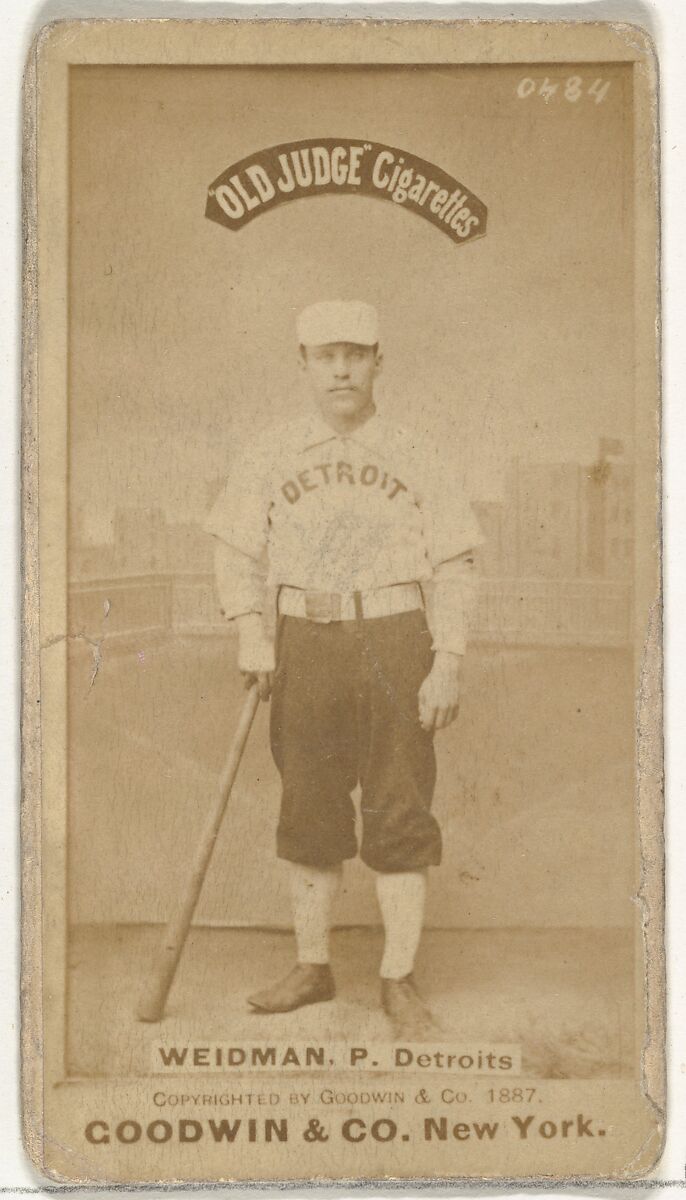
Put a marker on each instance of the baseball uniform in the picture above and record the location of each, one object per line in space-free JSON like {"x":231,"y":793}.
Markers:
{"x":348,"y":529}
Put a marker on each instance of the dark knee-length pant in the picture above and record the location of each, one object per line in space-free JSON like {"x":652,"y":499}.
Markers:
{"x":345,"y":710}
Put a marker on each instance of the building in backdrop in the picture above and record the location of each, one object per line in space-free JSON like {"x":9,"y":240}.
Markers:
{"x":555,"y":568}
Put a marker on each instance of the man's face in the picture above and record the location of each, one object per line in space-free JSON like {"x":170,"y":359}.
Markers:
{"x":341,"y":376}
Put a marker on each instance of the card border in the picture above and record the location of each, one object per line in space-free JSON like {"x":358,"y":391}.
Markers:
{"x":44,"y":637}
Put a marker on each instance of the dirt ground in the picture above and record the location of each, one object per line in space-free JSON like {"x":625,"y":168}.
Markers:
{"x":563,"y":995}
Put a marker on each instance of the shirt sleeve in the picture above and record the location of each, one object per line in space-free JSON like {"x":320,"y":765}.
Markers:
{"x":239,"y":519}
{"x":450,"y":526}
{"x":241,"y":581}
{"x":240,"y":514}
{"x":451,"y":601}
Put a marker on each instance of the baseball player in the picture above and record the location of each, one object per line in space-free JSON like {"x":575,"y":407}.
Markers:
{"x":352,"y":520}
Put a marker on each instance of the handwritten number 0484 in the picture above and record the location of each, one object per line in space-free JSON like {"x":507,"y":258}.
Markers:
{"x":572,"y":89}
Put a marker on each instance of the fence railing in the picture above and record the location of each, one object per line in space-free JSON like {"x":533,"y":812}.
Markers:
{"x":553,"y":611}
{"x":563,"y":612}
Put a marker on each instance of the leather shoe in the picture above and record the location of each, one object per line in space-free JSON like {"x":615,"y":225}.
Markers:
{"x":412,"y":1021}
{"x":307,"y":983}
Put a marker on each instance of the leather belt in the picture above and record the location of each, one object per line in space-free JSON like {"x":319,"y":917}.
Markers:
{"x":325,"y":607}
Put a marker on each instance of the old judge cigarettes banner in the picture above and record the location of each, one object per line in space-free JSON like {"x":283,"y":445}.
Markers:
{"x":321,"y":166}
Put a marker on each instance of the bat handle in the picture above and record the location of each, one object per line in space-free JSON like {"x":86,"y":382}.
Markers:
{"x":176,"y":931}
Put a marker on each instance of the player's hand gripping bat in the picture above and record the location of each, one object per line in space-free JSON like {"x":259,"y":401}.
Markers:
{"x":176,"y":932}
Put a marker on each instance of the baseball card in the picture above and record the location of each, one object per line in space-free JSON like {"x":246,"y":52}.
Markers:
{"x":342,"y":738}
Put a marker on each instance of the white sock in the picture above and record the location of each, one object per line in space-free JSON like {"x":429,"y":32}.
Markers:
{"x":313,"y":890}
{"x":401,"y":899}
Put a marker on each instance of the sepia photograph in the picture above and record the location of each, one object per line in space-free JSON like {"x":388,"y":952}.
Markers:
{"x":349,"y":511}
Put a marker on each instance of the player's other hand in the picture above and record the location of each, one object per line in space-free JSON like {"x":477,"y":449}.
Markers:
{"x":263,"y":679}
{"x":439,"y":695}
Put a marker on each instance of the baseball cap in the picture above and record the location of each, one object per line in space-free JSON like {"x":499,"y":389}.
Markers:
{"x":338,"y":321}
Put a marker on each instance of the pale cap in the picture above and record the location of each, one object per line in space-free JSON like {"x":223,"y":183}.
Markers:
{"x":338,"y":321}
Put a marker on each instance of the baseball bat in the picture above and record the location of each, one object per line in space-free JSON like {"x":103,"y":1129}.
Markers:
{"x":176,"y":932}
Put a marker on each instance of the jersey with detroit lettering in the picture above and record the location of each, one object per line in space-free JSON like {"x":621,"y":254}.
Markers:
{"x":344,"y":513}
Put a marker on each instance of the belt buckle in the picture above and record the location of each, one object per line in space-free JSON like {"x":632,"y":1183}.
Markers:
{"x":322,"y":607}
